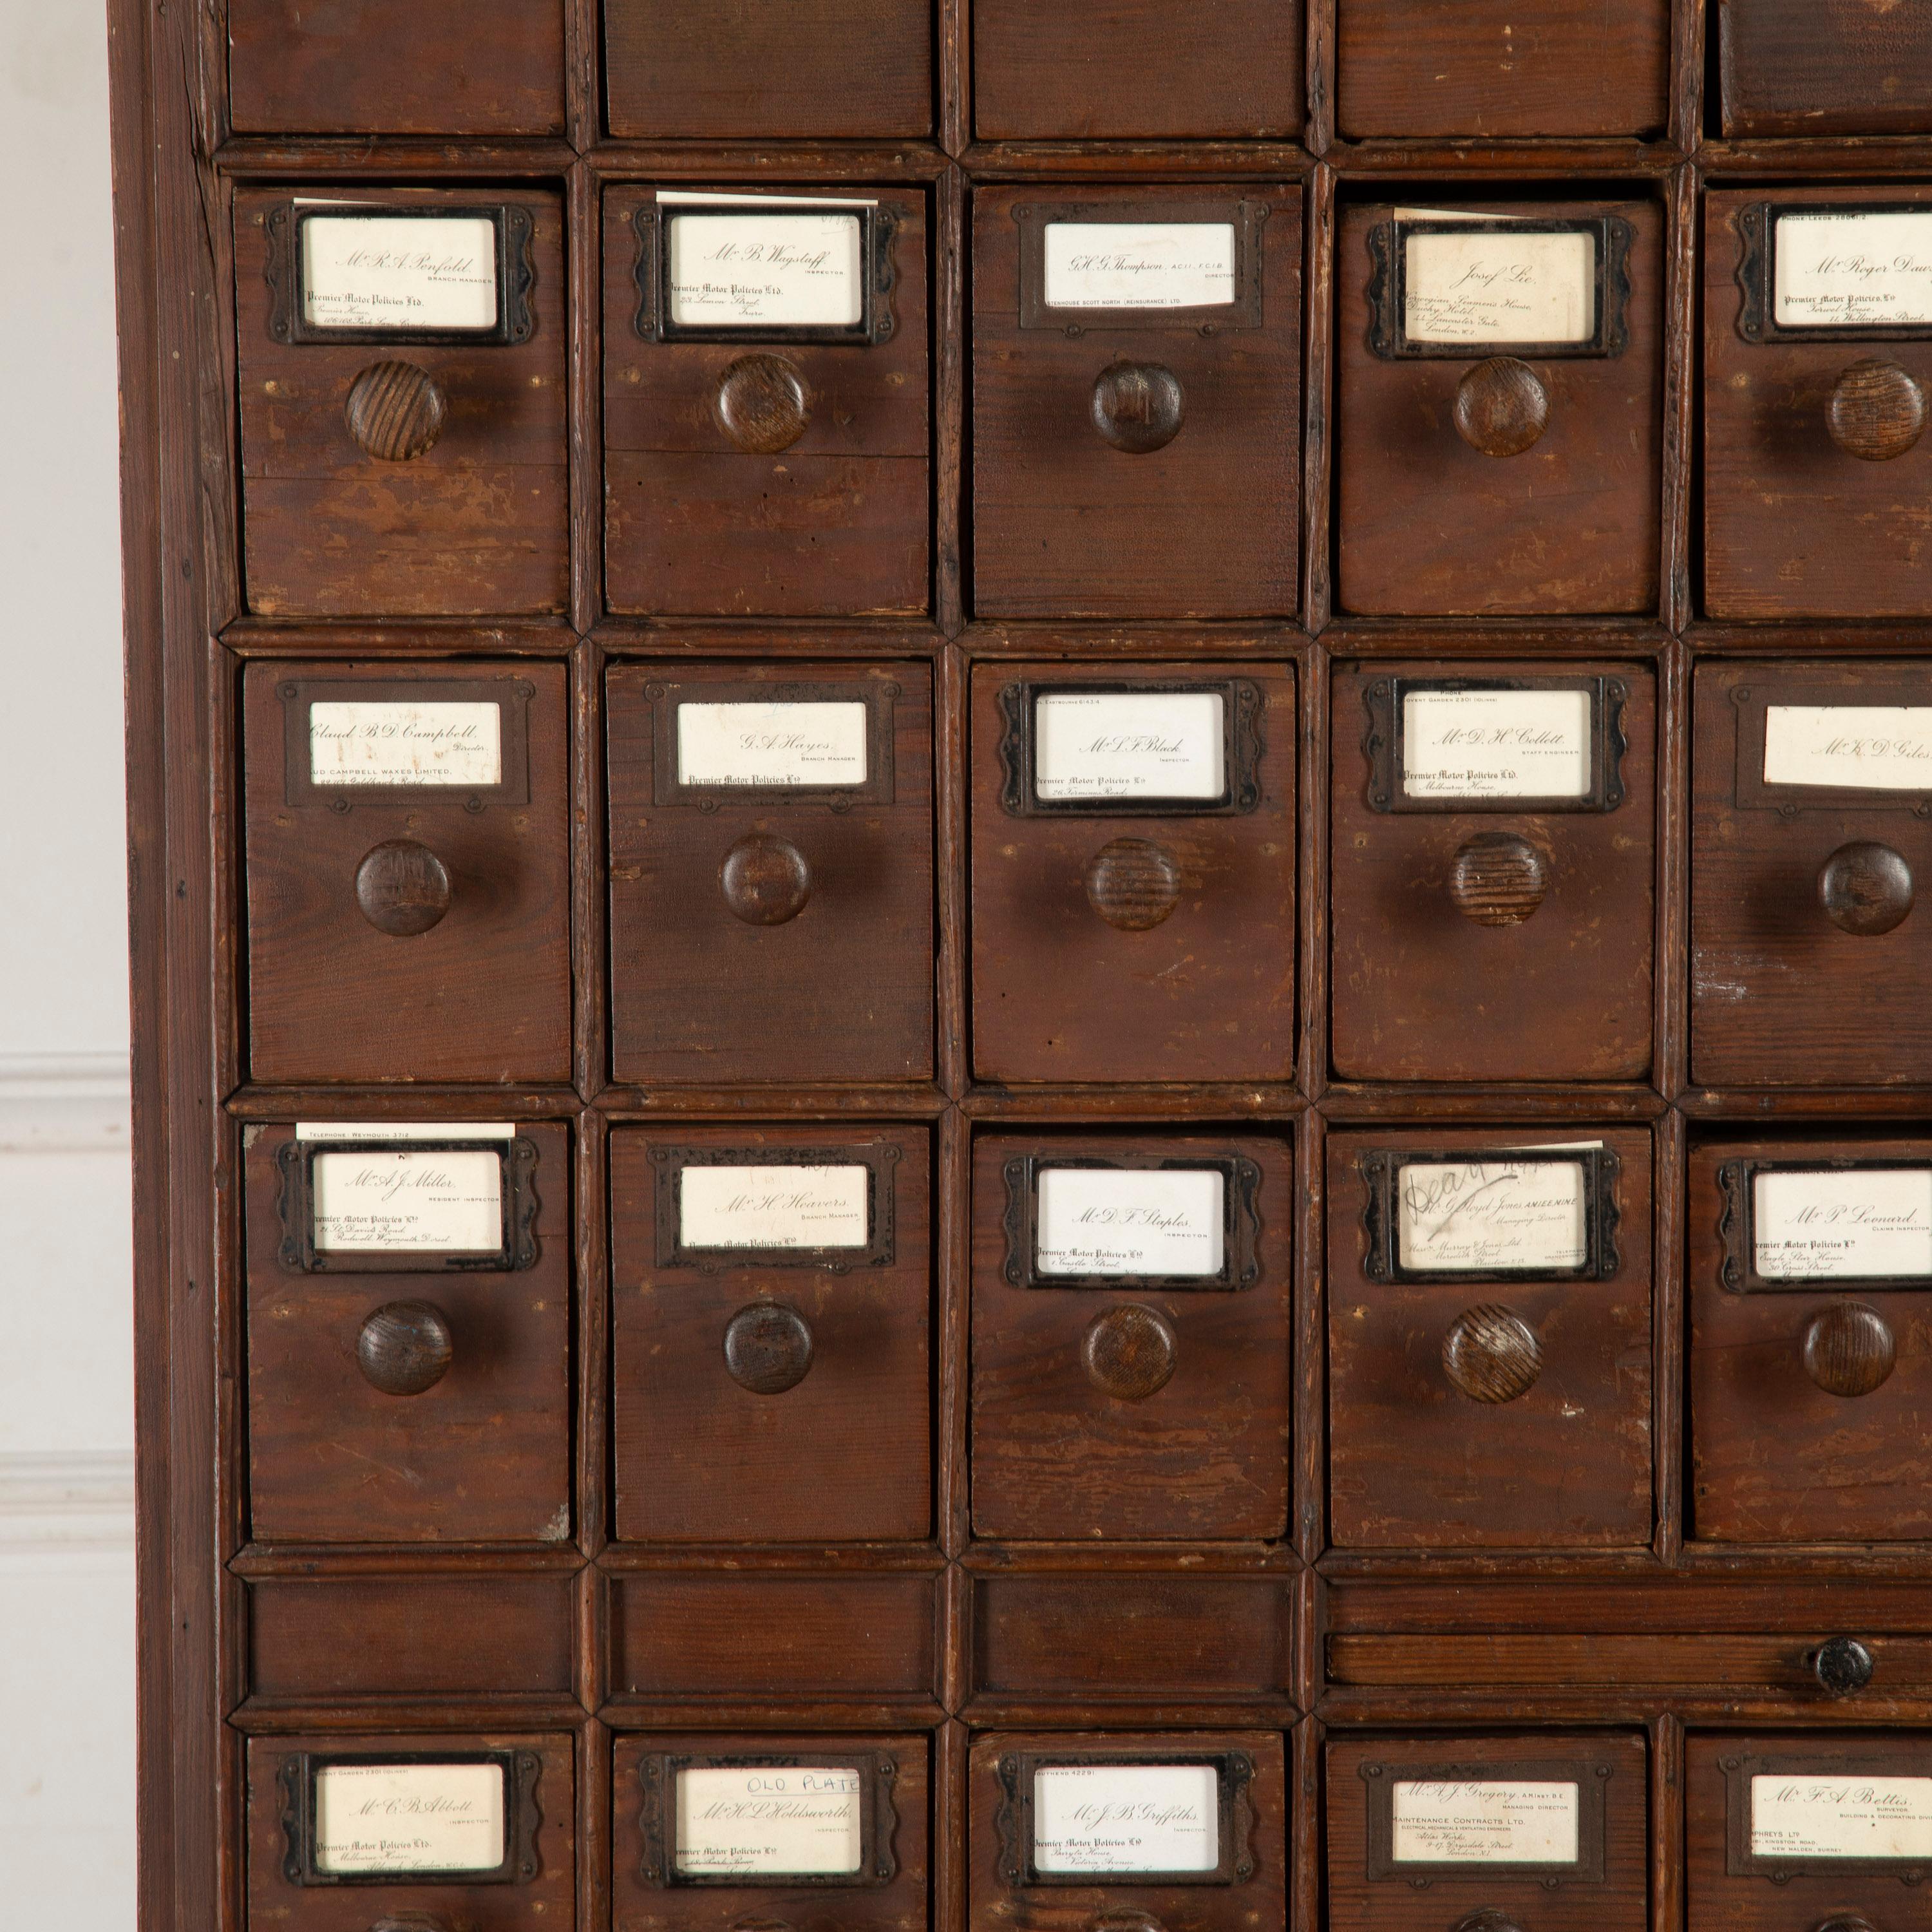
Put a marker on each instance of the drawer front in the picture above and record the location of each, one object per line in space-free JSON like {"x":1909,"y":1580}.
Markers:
{"x":1120,"y":932}
{"x":1481,"y":933}
{"x":1409,"y":67}
{"x":1206,"y":1847}
{"x":396,"y":67}
{"x":1803,"y":871}
{"x":1093,"y":1391}
{"x":1541,"y":1828}
{"x":395,"y":1395}
{"x":771,"y":903}
{"x":771,"y":1315}
{"x":1811,"y":1340}
{"x":316,"y":1863}
{"x":1488,"y":476}
{"x":712,"y":1830}
{"x":1792,"y":67}
{"x":1489,"y":1339}
{"x":1142,"y":461}
{"x":394,"y":471}
{"x":408,"y":871}
{"x":772,"y":70}
{"x":756,"y":466}
{"x":1806,"y":1829}
{"x":1105,"y":69}
{"x":1798,"y":523}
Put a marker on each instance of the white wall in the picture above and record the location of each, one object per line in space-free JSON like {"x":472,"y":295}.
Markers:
{"x":67,"y":1640}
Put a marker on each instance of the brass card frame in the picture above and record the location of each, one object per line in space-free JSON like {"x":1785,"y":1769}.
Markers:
{"x":1737,"y":1227}
{"x":1741,"y":1861}
{"x":1592,"y":1777}
{"x":880,"y":1157}
{"x":880,"y":698}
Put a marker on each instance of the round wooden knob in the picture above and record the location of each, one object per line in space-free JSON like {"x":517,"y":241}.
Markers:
{"x":402,"y":888}
{"x":1492,"y":1354}
{"x":1845,"y":1921}
{"x":1848,"y":1349}
{"x":1877,"y":412}
{"x":405,"y":1347}
{"x":763,"y":404}
{"x":1138,"y":406}
{"x":394,"y":411}
{"x":767,"y":1348}
{"x":1128,"y":1351}
{"x":1498,"y":879}
{"x":1133,"y":884}
{"x":765,"y":879}
{"x":1486,"y":1918}
{"x":1865,"y":888}
{"x":1842,"y":1665}
{"x":1502,"y":406}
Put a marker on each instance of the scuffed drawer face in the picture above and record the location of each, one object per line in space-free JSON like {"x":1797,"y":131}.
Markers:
{"x":400,"y":359}
{"x":1489,"y":1339}
{"x":1133,"y":871}
{"x":1207,"y":1846}
{"x":1547,"y":1829}
{"x":1825,"y":67}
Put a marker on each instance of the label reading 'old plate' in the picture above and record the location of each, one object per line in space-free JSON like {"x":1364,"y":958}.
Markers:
{"x":408,"y":1818}
{"x":1120,"y":744}
{"x":1814,"y":1223}
{"x":774,"y":1207}
{"x":1496,"y":744}
{"x":1479,"y":1823}
{"x":1798,"y":1815}
{"x":1851,"y":270}
{"x":771,"y":1821}
{"x":1461,"y":1216}
{"x":380,"y":744}
{"x":1499,"y":287}
{"x":1875,"y":747}
{"x":399,"y":271}
{"x":1139,"y":264}
{"x":1101,"y":1220}
{"x":766,"y":269}
{"x":787,"y":744}
{"x":447,"y":1201}
{"x":1113,"y":1818}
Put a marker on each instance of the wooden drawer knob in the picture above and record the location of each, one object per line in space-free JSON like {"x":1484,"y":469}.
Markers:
{"x":1486,"y":1918}
{"x":405,"y":1347}
{"x":1877,"y":412}
{"x":1502,"y":406}
{"x":765,"y":879}
{"x":402,"y":888}
{"x":394,"y":411}
{"x":1498,"y":879}
{"x":1865,"y":888}
{"x":1845,"y":1921}
{"x":1848,"y":1349}
{"x":767,"y":1348}
{"x":763,"y":404}
{"x":1492,"y":1354}
{"x":1133,"y":884}
{"x":1138,"y":406}
{"x":1129,"y":1351}
{"x":1841,"y":1665}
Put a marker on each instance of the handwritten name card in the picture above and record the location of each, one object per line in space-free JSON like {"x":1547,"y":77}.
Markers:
{"x":1497,"y":1214}
{"x":1495,"y":286}
{"x":1099,"y":1220}
{"x":1813,"y":1224}
{"x":1849,"y":270}
{"x":1845,"y":1817}
{"x":1496,"y":744}
{"x":1139,"y":264}
{"x":1103,"y":745}
{"x":1881,"y":747}
{"x":449,"y":1201}
{"x":1111,"y":1818}
{"x":1481,"y":1823}
{"x":789,"y":744}
{"x":399,"y":271}
{"x":408,"y":1818}
{"x":352,"y":744}
{"x":782,"y":1820}
{"x":772,"y":268}
{"x":773,"y":1207}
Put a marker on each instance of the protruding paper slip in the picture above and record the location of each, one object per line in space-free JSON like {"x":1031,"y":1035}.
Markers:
{"x":770,"y":1820}
{"x":1113,"y":1818}
{"x":408,"y":1818}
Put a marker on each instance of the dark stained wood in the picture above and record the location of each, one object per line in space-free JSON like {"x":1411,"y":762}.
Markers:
{"x":1824,"y":67}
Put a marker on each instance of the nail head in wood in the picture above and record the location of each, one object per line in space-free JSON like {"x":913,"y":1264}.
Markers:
{"x":394,"y":411}
{"x":1499,"y":878}
{"x":1502,"y":406}
{"x":763,"y":404}
{"x":1849,"y":1349}
{"x":405,"y":1347}
{"x":767,"y":1348}
{"x":1138,"y":406}
{"x":765,"y":879}
{"x":402,"y":887}
{"x":1865,"y":888}
{"x":1876,"y":412}
{"x":1133,"y":884}
{"x":1492,"y":1354}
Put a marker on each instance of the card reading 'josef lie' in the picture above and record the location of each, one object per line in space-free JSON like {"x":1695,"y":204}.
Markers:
{"x":1101,"y":1220}
{"x":1499,"y":285}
